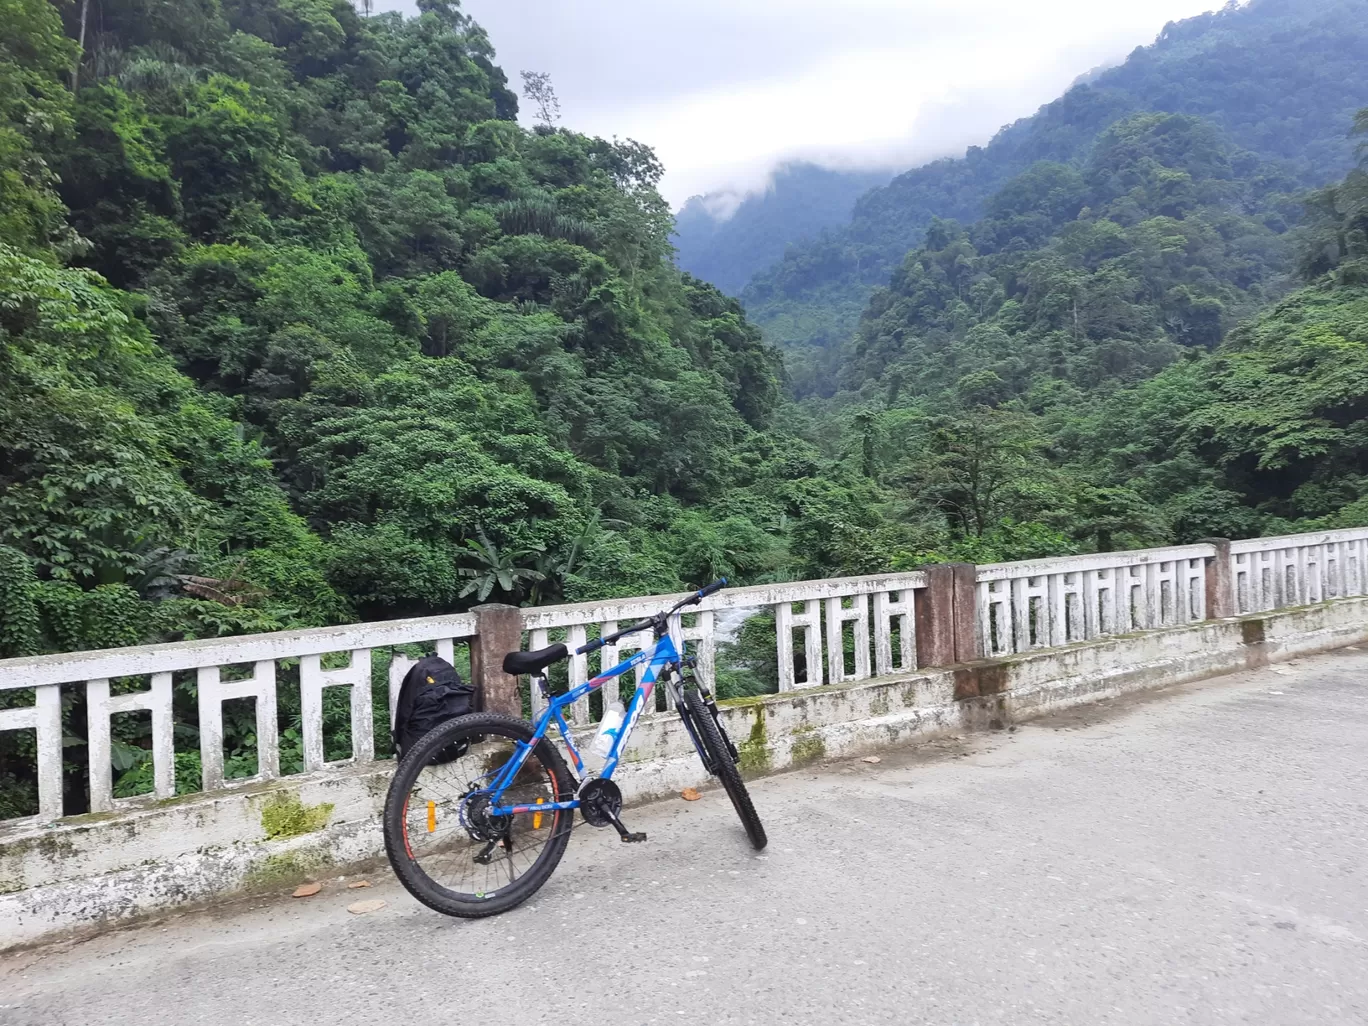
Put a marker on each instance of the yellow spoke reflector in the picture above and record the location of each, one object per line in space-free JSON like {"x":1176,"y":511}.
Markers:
{"x":432,"y":816}
{"x":536,"y":816}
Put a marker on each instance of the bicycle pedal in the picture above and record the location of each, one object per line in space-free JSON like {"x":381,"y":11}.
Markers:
{"x":633,"y":838}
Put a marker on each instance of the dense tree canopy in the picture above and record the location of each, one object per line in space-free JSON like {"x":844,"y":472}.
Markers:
{"x":1281,"y":78}
{"x":299,"y":326}
{"x":292,"y":305}
{"x":1111,"y":357}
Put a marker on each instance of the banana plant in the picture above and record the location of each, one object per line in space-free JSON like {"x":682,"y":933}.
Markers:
{"x":497,"y":568}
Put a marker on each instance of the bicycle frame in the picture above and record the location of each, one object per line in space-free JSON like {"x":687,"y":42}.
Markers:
{"x":653,"y":660}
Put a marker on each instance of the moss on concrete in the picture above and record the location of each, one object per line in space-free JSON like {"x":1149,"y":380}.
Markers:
{"x":755,"y":753}
{"x":54,"y":847}
{"x":284,"y":815}
{"x":807,"y":747}
{"x":285,"y":867}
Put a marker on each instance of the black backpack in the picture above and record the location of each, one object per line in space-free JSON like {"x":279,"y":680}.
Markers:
{"x":431,"y":694}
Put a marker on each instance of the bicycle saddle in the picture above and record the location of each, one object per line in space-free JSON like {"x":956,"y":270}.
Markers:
{"x":518,"y":663}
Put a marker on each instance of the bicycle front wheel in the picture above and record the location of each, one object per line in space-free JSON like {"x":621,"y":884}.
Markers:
{"x":448,"y":847}
{"x":710,"y":737}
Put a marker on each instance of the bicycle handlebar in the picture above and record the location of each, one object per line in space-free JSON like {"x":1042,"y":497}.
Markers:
{"x":713,"y":588}
{"x":651,"y":621}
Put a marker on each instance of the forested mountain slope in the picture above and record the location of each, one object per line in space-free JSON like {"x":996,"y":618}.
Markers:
{"x":1282,"y":78}
{"x":1099,"y":363}
{"x":725,"y":242}
{"x":1166,"y":237}
{"x":297,"y":325}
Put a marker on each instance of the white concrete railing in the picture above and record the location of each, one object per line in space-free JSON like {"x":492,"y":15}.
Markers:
{"x":1298,"y":569}
{"x":1043,"y":603}
{"x":46,"y":675}
{"x":837,"y":602}
{"x":964,"y":613}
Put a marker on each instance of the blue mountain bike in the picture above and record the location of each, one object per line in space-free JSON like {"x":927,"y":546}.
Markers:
{"x":479,"y":811}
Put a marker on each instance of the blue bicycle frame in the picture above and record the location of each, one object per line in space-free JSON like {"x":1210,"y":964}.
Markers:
{"x":653,"y":660}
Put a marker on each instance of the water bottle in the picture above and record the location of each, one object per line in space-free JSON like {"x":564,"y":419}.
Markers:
{"x":609,"y":728}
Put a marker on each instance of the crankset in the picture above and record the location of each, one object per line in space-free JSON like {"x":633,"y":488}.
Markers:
{"x":600,"y":801}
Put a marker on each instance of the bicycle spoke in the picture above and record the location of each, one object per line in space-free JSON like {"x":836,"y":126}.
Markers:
{"x":448,"y":828}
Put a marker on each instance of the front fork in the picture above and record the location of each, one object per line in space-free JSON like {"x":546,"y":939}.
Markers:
{"x":682,"y":676}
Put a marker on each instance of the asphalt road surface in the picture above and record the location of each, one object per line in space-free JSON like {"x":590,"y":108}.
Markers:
{"x":1195,"y":856}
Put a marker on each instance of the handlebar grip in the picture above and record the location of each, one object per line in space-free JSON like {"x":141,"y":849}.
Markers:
{"x":592,"y":646}
{"x":713,"y":588}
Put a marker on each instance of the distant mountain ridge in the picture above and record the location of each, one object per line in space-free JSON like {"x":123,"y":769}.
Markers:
{"x":799,"y":201}
{"x":1282,"y":78}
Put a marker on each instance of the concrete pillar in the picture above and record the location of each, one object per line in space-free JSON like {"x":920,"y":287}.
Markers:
{"x":1220,"y":581}
{"x":498,"y":632}
{"x":947,"y":617}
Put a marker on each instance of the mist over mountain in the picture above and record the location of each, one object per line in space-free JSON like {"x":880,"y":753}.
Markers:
{"x":1283,"y":79}
{"x":724,"y":238}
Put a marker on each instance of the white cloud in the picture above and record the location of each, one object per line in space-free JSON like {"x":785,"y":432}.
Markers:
{"x":726,"y":89}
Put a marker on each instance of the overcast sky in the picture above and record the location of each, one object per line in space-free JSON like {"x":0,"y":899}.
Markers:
{"x":726,"y":89}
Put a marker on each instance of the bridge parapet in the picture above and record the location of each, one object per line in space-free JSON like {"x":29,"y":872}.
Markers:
{"x":864,"y":663}
{"x":835,"y":631}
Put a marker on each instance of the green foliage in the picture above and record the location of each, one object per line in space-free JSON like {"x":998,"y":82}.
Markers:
{"x":1089,"y":277}
{"x":497,"y":570}
{"x":86,"y":477}
{"x":19,"y":624}
{"x":35,"y":115}
{"x":379,"y":351}
{"x":1280,"y":78}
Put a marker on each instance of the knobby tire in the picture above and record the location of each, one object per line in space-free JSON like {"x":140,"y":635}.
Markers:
{"x":710,"y":736}
{"x":473,"y":729}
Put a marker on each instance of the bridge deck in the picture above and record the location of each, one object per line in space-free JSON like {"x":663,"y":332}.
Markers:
{"x":1195,"y":857}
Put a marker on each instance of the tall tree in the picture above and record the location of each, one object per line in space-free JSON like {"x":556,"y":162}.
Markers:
{"x":537,"y":88}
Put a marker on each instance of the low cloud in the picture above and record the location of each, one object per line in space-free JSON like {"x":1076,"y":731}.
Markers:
{"x":725,"y":90}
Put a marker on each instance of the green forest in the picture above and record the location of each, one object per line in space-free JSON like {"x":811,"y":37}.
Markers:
{"x":299,"y":326}
{"x":1281,"y":78}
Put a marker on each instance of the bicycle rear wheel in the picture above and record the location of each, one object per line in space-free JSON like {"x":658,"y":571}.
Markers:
{"x":446,"y":846}
{"x":719,"y":755}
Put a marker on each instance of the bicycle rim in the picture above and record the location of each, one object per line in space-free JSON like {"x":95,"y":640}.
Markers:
{"x":454,"y":851}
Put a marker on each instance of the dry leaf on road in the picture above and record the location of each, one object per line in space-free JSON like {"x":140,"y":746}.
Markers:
{"x":690,"y":794}
{"x":360,"y":908}
{"x":871,"y":759}
{"x":359,"y":883}
{"x":307,"y":890}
